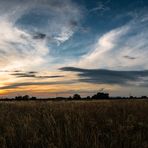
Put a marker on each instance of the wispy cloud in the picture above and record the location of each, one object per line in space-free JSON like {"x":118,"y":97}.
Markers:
{"x":97,"y":56}
{"x":109,"y":51}
{"x":101,"y":7}
{"x":23,"y":48}
{"x":26,"y":41}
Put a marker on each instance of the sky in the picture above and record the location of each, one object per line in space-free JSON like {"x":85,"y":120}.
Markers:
{"x":51,"y":48}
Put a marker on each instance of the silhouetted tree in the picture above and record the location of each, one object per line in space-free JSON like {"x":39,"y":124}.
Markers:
{"x":88,"y":98}
{"x":69,"y":98}
{"x":59,"y":98}
{"x":94,"y":97}
{"x":18,"y":98}
{"x":101,"y":95}
{"x":131,"y":97}
{"x":144,"y":97}
{"x":33,"y":98}
{"x":76,"y":97}
{"x":26,"y":97}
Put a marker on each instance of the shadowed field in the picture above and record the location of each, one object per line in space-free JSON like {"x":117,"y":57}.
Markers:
{"x":77,"y":124}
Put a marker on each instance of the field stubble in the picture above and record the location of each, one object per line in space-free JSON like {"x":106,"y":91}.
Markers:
{"x":77,"y":124}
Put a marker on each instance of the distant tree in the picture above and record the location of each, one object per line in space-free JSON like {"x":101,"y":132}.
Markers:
{"x":144,"y":97}
{"x":18,"y":98}
{"x":76,"y":97}
{"x":26,"y":97}
{"x":94,"y":97}
{"x":69,"y":98}
{"x":131,"y":97}
{"x":59,"y":98}
{"x":33,"y":98}
{"x":88,"y":98}
{"x":101,"y":95}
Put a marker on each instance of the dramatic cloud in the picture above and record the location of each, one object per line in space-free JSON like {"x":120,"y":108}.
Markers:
{"x":28,"y":27}
{"x":39,"y":36}
{"x":114,"y":48}
{"x":102,"y":76}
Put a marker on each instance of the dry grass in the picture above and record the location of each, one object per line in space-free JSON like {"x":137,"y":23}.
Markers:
{"x":98,"y":124}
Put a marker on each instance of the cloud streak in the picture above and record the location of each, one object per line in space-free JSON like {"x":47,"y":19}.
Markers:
{"x":33,"y":75}
{"x":111,"y":77}
{"x":18,"y":85}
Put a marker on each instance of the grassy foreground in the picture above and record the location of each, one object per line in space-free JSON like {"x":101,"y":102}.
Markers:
{"x":98,"y":124}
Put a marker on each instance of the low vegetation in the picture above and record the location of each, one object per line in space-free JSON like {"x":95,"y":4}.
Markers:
{"x":74,"y":124}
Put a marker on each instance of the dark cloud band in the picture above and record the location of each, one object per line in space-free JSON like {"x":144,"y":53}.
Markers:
{"x":103,"y":76}
{"x":32,"y":74}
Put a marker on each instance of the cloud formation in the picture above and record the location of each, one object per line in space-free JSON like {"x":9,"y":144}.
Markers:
{"x":114,"y":48}
{"x":28,"y":31}
{"x":32,"y":74}
{"x":39,"y":36}
{"x":17,"y":85}
{"x":101,"y":7}
{"x":129,"y":57}
{"x":17,"y":45}
{"x":28,"y":27}
{"x":112,"y":77}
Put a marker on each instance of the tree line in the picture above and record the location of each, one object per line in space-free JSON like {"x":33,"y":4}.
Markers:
{"x":97,"y":96}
